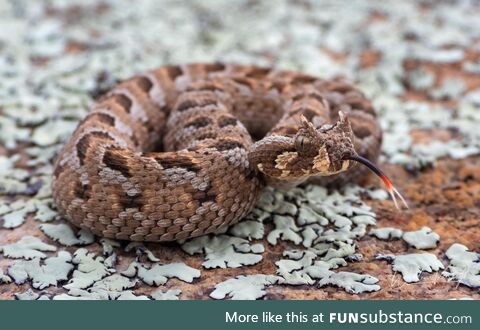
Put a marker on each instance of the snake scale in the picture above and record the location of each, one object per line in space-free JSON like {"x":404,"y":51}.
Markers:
{"x":183,"y":151}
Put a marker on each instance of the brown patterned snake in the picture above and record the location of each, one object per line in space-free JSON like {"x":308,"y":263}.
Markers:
{"x":111,"y":178}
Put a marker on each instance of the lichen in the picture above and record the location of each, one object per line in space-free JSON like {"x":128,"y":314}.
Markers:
{"x":159,"y":274}
{"x":387,"y":233}
{"x":225,"y":251}
{"x":4,"y":278}
{"x":285,"y":229}
{"x":351,"y":282}
{"x":464,"y":266}
{"x":64,"y":234}
{"x":89,"y":269}
{"x":412,"y":265}
{"x":249,"y":229}
{"x":422,"y":239}
{"x":42,"y":273}
{"x":167,"y":295}
{"x":244,"y":287}
{"x":28,"y":247}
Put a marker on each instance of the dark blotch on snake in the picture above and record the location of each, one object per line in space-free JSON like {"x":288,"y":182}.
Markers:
{"x":131,"y":202}
{"x":178,"y":161}
{"x":86,"y":141}
{"x":315,"y":96}
{"x":303,"y":79}
{"x":124,"y":101}
{"x":214,"y":67}
{"x":187,"y":104}
{"x":208,"y":195}
{"x":145,"y":84}
{"x":228,"y":145}
{"x":101,"y":117}
{"x":207,"y":87}
{"x":207,"y":135}
{"x":80,"y":190}
{"x":258,"y":72}
{"x":199,"y":122}
{"x":227,"y":121}
{"x":114,"y":160}
{"x":173,"y":71}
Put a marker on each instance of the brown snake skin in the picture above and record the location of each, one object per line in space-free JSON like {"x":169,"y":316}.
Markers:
{"x":224,"y":131}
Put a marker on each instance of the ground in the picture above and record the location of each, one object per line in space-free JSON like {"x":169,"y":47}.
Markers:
{"x":419,"y":62}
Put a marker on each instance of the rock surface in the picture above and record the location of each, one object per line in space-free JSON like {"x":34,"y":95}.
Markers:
{"x":418,"y":61}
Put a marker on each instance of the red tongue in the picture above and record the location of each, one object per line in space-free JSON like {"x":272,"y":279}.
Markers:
{"x":388,"y":183}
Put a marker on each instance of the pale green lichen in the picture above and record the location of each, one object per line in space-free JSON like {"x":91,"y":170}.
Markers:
{"x":302,"y":268}
{"x":285,"y":229}
{"x":292,"y":270}
{"x":309,"y":216}
{"x":89,"y":269}
{"x":12,"y":180}
{"x":44,"y":211}
{"x":412,"y":265}
{"x":159,"y":274}
{"x":42,"y":273}
{"x":225,"y":251}
{"x":249,"y":229}
{"x":15,"y":214}
{"x":4,"y":278}
{"x":464,"y":266}
{"x":244,"y":287}
{"x":54,"y":131}
{"x":286,"y":208}
{"x":64,"y":234}
{"x":172,"y":294}
{"x":380,"y":194}
{"x":333,"y":250}
{"x":110,"y":287}
{"x":309,"y":234}
{"x":449,"y":89}
{"x":27,"y":295}
{"x":387,"y":233}
{"x":420,"y":79}
{"x":28,"y":247}
{"x":109,"y":246}
{"x":351,"y":282}
{"x":423,"y":238}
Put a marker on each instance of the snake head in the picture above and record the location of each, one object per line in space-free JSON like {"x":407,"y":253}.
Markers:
{"x":338,"y":143}
{"x":328,"y":148}
{"x":310,"y":152}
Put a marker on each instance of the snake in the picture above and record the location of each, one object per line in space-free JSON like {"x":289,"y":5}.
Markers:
{"x":186,"y":150}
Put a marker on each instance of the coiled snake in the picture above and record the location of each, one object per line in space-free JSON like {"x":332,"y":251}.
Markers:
{"x":224,"y":132}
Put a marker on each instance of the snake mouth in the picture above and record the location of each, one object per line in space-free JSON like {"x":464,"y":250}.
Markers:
{"x":386,"y":180}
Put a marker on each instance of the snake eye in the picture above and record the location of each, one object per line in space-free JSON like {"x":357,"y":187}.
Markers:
{"x":302,"y":143}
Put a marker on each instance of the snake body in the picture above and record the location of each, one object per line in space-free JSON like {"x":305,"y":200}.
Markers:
{"x":183,"y":151}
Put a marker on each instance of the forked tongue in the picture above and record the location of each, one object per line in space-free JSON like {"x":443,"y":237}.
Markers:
{"x":388,"y":183}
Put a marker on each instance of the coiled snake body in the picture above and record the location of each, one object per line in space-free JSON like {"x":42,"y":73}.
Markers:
{"x":224,"y":131}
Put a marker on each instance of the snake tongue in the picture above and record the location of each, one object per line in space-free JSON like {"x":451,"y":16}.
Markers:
{"x":386,"y":180}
